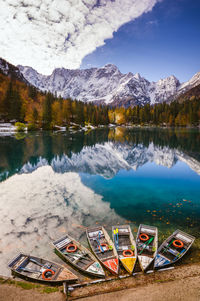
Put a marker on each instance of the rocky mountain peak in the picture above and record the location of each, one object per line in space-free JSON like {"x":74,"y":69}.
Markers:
{"x":11,"y":71}
{"x":137,"y":76}
{"x":107,"y":85}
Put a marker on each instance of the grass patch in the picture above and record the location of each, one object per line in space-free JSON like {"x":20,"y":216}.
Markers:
{"x":49,"y":290}
{"x":29,"y":286}
{"x":26,"y":285}
{"x":164,"y":280}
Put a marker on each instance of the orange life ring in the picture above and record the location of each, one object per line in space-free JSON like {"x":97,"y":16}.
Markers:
{"x":69,"y":248}
{"x":44,"y":274}
{"x":103,"y":245}
{"x":130,"y":253}
{"x":178,"y":243}
{"x":144,"y":237}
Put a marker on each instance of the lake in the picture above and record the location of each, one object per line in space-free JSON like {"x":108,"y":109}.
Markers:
{"x":57,"y":182}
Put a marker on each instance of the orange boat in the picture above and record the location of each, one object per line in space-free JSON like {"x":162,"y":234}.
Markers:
{"x":103,"y":248}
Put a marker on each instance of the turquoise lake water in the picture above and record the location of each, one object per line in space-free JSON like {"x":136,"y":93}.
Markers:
{"x":52,"y":183}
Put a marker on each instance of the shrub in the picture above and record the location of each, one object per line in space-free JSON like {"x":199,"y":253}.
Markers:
{"x":20,"y":126}
{"x":32,"y":127}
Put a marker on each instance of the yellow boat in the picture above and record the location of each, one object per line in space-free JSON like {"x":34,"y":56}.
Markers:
{"x":126,"y":246}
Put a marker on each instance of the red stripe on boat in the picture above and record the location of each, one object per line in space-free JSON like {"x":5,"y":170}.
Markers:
{"x":112,"y":265}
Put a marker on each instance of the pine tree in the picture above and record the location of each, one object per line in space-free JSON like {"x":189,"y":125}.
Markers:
{"x":47,"y":111}
{"x":12,"y":103}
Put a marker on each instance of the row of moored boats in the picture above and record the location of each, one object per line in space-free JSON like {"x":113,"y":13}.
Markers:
{"x":106,"y":253}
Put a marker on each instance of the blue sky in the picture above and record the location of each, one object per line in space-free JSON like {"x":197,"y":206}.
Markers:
{"x":162,"y":42}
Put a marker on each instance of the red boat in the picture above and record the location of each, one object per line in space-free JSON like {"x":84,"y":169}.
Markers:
{"x":103,"y":248}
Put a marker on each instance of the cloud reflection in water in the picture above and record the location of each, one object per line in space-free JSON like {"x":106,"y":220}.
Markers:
{"x":41,"y":206}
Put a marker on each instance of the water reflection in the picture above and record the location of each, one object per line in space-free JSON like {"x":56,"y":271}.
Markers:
{"x":39,"y":207}
{"x":57,"y":182}
{"x":102,"y":152}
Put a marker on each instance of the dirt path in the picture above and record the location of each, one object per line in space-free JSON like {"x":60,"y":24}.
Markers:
{"x":179,"y":284}
{"x":179,"y":290}
{"x":13,"y":293}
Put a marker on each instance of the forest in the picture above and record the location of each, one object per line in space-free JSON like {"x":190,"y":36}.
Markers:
{"x":20,"y":102}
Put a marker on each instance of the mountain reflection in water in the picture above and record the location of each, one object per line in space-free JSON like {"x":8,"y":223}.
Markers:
{"x":52,"y":183}
{"x":100,"y":152}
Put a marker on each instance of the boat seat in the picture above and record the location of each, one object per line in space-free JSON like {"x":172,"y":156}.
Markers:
{"x":122,"y":248}
{"x":123,"y":231}
{"x":63,"y":243}
{"x":95,"y":234}
{"x":148,"y":231}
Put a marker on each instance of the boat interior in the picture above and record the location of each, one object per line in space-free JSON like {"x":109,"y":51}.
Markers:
{"x":148,"y":247}
{"x":80,"y":257}
{"x":124,"y":240}
{"x":97,"y":238}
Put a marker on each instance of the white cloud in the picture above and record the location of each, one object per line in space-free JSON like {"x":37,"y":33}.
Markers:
{"x":46,"y":34}
{"x":46,"y":206}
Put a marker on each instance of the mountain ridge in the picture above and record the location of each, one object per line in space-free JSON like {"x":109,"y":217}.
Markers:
{"x":107,"y":85}
{"x":11,"y":71}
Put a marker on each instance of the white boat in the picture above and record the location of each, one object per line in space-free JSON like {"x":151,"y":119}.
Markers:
{"x":147,"y":244}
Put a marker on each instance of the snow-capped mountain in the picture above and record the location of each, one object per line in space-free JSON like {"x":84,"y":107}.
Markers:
{"x":108,"y":85}
{"x":193,"y":82}
{"x":109,"y":158}
{"x":11,"y":71}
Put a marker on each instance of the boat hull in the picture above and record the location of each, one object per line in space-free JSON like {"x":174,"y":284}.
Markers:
{"x":128,"y":264}
{"x":147,"y":245}
{"x":103,"y":248}
{"x":36,"y":269}
{"x":90,"y":269}
{"x":168,"y":253}
{"x":124,"y":241}
{"x":112,"y":265}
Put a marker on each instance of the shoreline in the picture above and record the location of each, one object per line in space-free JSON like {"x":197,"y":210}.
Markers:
{"x":182,"y":281}
{"x":12,"y":130}
{"x":136,"y":282}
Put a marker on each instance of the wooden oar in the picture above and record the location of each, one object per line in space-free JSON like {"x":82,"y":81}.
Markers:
{"x":75,"y":256}
{"x":98,"y":243}
{"x":166,"y":248}
{"x":146,"y":244}
{"x":36,"y":262}
{"x":30,"y":271}
{"x":179,"y":254}
{"x":45,"y":265}
{"x":117,"y":236}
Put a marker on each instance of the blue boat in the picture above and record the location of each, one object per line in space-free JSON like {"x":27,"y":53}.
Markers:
{"x":173,"y":249}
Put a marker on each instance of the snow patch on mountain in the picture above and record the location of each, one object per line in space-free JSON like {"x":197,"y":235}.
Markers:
{"x":108,"y":85}
{"x":193,"y":82}
{"x":11,"y":71}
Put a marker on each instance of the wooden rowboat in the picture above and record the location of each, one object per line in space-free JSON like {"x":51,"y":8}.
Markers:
{"x":103,"y":248}
{"x":77,"y":255}
{"x":173,"y":249}
{"x":41,"y":270}
{"x":126,"y":246}
{"x":147,"y":244}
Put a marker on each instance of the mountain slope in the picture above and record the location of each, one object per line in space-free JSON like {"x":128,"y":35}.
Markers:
{"x":11,"y":71}
{"x":108,"y":85}
{"x":193,"y":92}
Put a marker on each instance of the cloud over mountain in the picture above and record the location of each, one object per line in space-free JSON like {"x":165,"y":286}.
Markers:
{"x":59,"y":33}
